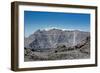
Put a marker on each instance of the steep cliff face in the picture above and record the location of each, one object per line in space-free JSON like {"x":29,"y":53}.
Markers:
{"x":48,"y":39}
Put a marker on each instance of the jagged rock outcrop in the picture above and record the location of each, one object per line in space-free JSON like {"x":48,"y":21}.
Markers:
{"x":47,"y":39}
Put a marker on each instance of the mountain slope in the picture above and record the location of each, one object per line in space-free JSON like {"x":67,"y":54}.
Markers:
{"x":47,"y":39}
{"x":79,"y":51}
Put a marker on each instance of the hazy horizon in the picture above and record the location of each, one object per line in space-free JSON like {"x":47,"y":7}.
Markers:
{"x":54,"y":28}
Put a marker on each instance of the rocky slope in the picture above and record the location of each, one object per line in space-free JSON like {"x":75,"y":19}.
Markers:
{"x":56,"y":44}
{"x":79,"y":51}
{"x":52,"y":38}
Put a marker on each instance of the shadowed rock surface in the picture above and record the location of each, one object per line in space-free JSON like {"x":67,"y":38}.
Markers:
{"x":56,"y":44}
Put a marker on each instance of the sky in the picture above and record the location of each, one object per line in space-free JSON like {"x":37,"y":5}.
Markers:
{"x":34,"y":20}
